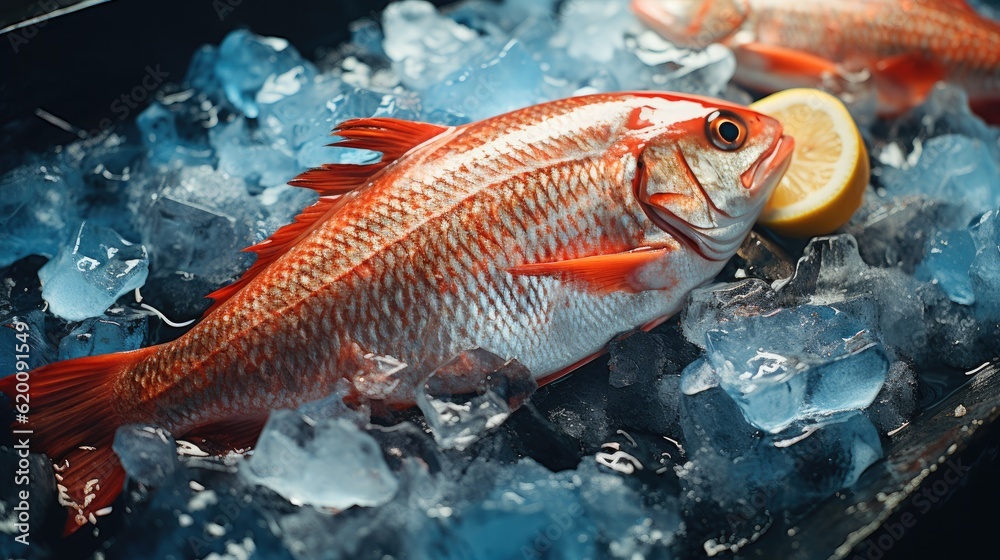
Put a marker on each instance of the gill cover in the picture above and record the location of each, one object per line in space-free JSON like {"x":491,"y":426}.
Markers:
{"x":706,"y":182}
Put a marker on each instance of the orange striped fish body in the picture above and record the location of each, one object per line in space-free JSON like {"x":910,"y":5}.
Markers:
{"x":537,"y":235}
{"x":905,"y":46}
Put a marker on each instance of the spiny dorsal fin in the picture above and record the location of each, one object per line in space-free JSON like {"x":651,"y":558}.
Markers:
{"x":273,"y":247}
{"x":392,"y":137}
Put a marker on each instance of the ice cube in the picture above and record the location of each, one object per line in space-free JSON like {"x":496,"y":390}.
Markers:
{"x":528,"y":511}
{"x":248,"y":62}
{"x":948,"y":258}
{"x":20,"y":290}
{"x":159,"y":125}
{"x":831,"y":272}
{"x":324,"y":463}
{"x":956,"y":170}
{"x":117,"y":330}
{"x":794,"y":364}
{"x":645,"y":377}
{"x":714,"y":305}
{"x":38,"y":208}
{"x":738,"y":480}
{"x":199,"y":222}
{"x":424,"y":45}
{"x":147,"y":453}
{"x":493,"y":83}
{"x":91,"y":272}
{"x":896,"y":402}
{"x":25,"y":344}
{"x":471,"y":394}
{"x":246,"y":153}
{"x":985,"y":267}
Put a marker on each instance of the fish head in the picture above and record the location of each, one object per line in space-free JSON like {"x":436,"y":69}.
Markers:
{"x":705,"y":179}
{"x":692,"y":23}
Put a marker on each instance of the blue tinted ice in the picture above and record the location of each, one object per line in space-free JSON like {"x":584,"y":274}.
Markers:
{"x":251,"y":67}
{"x":495,"y":82}
{"x":956,"y":170}
{"x":985,"y":267}
{"x":949,"y":256}
{"x":460,"y":403}
{"x":38,"y":209}
{"x":751,"y":476}
{"x":529,"y":512}
{"x":324,"y":463}
{"x":91,"y":271}
{"x":119,"y":329}
{"x":799,"y":363}
{"x":147,"y":453}
{"x":425,"y":46}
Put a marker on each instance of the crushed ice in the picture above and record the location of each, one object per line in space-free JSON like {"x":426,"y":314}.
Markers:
{"x":771,"y":393}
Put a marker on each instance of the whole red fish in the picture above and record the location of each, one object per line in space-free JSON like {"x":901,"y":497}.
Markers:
{"x":904,"y":46}
{"x":537,"y":235}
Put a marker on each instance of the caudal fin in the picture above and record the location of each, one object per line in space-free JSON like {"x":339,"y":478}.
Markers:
{"x":71,"y":419}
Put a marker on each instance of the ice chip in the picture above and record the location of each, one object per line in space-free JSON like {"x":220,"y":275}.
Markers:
{"x":717,"y":304}
{"x":793,"y":364}
{"x":159,"y":129}
{"x":471,"y":394}
{"x":896,"y":402}
{"x":245,"y":152}
{"x":489,"y":85}
{"x":698,"y":376}
{"x":91,"y":272}
{"x":948,"y":258}
{"x":147,"y":453}
{"x":956,"y":170}
{"x":324,"y":463}
{"x":199,"y":222}
{"x":424,"y":45}
{"x":118,"y":330}
{"x":38,"y":207}
{"x":985,"y":268}
{"x":247,"y":62}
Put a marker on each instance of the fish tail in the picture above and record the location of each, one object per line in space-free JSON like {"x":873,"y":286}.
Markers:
{"x":70,"y":418}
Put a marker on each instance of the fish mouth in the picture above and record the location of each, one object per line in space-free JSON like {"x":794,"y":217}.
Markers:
{"x":719,"y":242}
{"x":765,"y":173}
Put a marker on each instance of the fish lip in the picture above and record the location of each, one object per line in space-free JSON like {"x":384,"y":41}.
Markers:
{"x":771,"y":166}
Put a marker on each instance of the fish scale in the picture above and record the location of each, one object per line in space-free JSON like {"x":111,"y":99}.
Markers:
{"x":905,"y":46}
{"x":532,"y":235}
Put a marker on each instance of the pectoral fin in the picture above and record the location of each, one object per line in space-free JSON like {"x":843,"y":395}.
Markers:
{"x":770,"y":67}
{"x":617,"y":272}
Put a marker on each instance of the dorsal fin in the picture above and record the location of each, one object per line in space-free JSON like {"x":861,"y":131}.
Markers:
{"x":273,"y":247}
{"x":392,"y":137}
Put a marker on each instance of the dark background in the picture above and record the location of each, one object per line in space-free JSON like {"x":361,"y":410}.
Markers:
{"x":75,"y":67}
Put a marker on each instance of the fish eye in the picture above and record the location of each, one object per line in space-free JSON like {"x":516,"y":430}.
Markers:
{"x":726,"y":130}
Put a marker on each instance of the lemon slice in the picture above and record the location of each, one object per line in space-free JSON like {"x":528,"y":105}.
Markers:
{"x":829,"y":171}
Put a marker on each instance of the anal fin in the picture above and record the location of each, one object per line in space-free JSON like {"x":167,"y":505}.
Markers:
{"x":234,"y":434}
